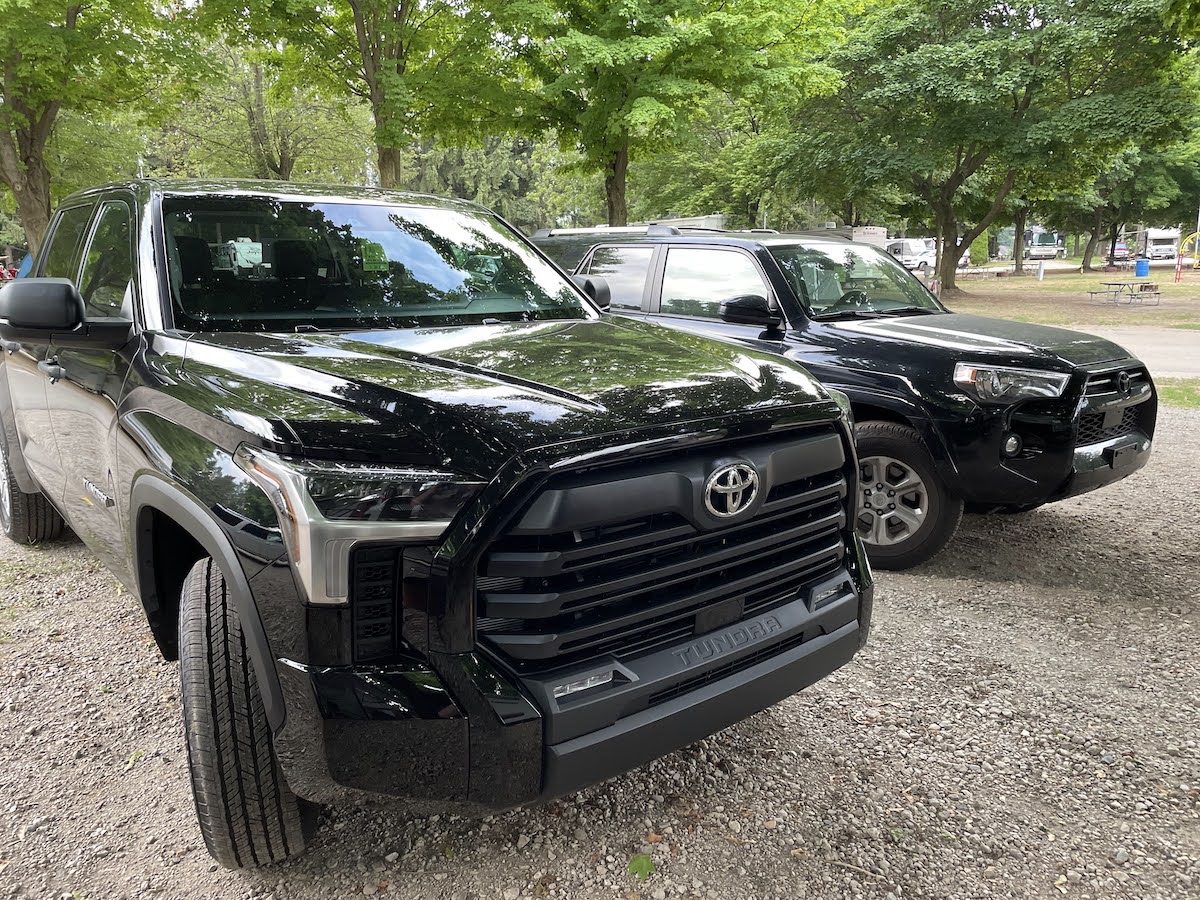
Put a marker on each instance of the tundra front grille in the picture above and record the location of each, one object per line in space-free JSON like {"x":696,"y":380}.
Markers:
{"x":630,"y":585}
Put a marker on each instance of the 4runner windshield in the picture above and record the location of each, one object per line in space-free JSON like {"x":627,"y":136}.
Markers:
{"x":266,"y":264}
{"x":835,"y":282}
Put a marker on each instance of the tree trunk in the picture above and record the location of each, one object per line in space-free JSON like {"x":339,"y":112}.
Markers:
{"x":33,"y":206}
{"x":947,"y":228}
{"x":1076,"y":253}
{"x":1093,"y":239}
{"x":1019,"y":221}
{"x":614,"y":186}
{"x":1112,"y":243}
{"x":23,"y":168}
{"x":389,"y":167}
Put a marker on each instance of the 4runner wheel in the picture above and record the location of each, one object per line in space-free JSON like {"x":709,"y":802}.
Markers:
{"x":248,"y":815}
{"x":26,"y":518}
{"x":906,"y":514}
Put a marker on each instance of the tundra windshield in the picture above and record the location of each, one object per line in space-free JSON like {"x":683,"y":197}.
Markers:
{"x":835,"y":282}
{"x":269,"y":264}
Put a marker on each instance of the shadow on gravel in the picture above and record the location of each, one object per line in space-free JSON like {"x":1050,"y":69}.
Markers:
{"x":1122,"y":553}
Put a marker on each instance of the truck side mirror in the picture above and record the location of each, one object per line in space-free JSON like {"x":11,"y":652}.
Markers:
{"x":50,"y":310}
{"x":596,"y":288}
{"x":34,"y":309}
{"x":750,"y":309}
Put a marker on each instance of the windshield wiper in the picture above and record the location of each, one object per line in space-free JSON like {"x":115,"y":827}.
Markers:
{"x":848,"y":314}
{"x":905,"y":310}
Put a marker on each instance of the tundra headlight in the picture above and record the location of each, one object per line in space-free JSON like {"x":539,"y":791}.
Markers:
{"x":1000,"y":384}
{"x":843,"y":403}
{"x":325,"y":508}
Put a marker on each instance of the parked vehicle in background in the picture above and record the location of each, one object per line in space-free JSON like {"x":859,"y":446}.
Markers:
{"x":1119,"y":252}
{"x":913,"y":253}
{"x":417,"y":520}
{"x":952,"y":410}
{"x":1162,"y":243}
{"x":1043,"y":245}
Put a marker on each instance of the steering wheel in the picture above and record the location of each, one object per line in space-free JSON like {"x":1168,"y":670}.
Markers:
{"x":852,"y":299}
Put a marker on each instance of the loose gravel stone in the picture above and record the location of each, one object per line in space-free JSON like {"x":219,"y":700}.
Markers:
{"x":1022,"y":723}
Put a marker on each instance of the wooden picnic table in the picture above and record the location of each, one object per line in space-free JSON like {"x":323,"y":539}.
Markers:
{"x":1128,"y":292}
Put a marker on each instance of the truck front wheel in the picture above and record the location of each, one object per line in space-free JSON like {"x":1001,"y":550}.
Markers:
{"x":25,"y":518}
{"x":248,"y":814}
{"x":906,"y":513}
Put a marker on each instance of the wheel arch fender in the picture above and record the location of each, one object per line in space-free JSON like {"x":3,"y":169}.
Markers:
{"x":869,"y":405}
{"x":12,"y":440}
{"x":150,"y":494}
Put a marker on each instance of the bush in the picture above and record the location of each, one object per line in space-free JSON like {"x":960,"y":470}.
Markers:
{"x":979,"y":250}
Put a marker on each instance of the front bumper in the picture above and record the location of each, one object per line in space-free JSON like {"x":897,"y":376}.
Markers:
{"x":463,"y":733}
{"x":1097,"y":465}
{"x":1061,"y":457}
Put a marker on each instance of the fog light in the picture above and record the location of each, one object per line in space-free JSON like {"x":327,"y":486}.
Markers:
{"x":1012,"y":445}
{"x":574,"y":687}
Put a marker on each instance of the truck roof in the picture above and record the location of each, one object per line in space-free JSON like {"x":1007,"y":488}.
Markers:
{"x":282,"y":190}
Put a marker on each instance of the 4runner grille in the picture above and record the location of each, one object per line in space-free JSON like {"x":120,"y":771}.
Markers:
{"x":1109,"y":382}
{"x":1108,"y":390}
{"x":1093,"y":431}
{"x":630,"y":585}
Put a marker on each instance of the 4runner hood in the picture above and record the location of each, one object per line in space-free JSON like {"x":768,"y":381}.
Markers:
{"x":970,"y":337}
{"x":494,"y":390}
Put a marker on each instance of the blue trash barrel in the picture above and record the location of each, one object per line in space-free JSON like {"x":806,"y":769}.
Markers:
{"x":1142,"y":268}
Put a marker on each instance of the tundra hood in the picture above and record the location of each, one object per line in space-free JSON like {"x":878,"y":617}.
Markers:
{"x":492,"y":390}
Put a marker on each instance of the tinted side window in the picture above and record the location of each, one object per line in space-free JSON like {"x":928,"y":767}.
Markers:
{"x":697,"y":280}
{"x":106,"y":279}
{"x":61,"y":256}
{"x":625,"y":270}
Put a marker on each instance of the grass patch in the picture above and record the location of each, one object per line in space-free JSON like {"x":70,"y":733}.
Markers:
{"x":1179,"y":391}
{"x":1062,"y":299}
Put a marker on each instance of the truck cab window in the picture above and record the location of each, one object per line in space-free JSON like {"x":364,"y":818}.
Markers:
{"x":61,"y":256}
{"x":106,"y":282}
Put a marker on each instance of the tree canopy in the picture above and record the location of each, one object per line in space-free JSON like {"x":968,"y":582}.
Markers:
{"x":80,"y":58}
{"x":928,"y":115}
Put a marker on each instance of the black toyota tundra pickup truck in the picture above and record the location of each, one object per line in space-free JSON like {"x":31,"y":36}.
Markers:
{"x":417,"y":520}
{"x":953,"y":410}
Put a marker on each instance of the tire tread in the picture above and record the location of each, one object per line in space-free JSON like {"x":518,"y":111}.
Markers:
{"x":248,"y":815}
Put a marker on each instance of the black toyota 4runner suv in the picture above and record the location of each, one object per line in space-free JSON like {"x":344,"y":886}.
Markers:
{"x":953,"y":410}
{"x":417,"y":520}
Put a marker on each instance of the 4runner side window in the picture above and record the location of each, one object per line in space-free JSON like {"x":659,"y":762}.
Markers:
{"x":625,"y":270}
{"x":106,"y":282}
{"x":698,"y":279}
{"x":61,"y":258}
{"x":256,"y":264}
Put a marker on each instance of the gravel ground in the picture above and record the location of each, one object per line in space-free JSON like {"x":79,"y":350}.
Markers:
{"x":1023,"y":723}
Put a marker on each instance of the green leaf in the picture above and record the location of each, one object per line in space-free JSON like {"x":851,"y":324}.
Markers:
{"x":641,"y":865}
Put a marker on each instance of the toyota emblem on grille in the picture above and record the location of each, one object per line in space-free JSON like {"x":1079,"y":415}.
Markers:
{"x":730,"y":490}
{"x":1124,"y":382}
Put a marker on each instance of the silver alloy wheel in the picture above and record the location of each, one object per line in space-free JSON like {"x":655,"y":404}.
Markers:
{"x":5,"y":495}
{"x":894,"y":502}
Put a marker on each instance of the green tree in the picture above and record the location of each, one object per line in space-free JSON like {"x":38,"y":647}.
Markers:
{"x":245,"y":121}
{"x":612,"y":79}
{"x":71,"y":57}
{"x":423,"y":67}
{"x":952,"y":100}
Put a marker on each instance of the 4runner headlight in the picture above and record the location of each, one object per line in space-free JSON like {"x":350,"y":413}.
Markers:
{"x":325,"y":508}
{"x":1000,"y":384}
